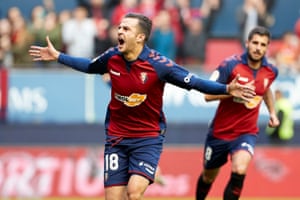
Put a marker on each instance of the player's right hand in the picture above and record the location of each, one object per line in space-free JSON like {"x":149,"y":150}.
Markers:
{"x":48,"y":53}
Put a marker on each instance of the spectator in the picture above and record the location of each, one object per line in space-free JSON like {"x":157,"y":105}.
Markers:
{"x":37,"y":22}
{"x":96,"y":8}
{"x":194,"y":43}
{"x":13,"y":14}
{"x":121,"y":9}
{"x":247,"y":17}
{"x":148,"y":8}
{"x":98,"y":12}
{"x":110,"y":6}
{"x":287,"y":54}
{"x":53,"y":29}
{"x":102,"y":40}
{"x":209,"y":11}
{"x":5,"y":43}
{"x":264,"y":8}
{"x":163,"y":37}
{"x":21,"y":41}
{"x":254,"y":13}
{"x":44,"y":20}
{"x":284,"y":110}
{"x":297,"y":28}
{"x":78,"y":34}
{"x":64,"y":16}
{"x":181,"y":14}
{"x":49,"y":6}
{"x":48,"y":24}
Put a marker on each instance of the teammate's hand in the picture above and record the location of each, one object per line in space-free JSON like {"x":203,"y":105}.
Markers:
{"x":245,"y":92}
{"x":48,"y":53}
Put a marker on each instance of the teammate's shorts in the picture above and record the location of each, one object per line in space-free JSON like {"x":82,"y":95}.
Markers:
{"x":126,"y":156}
{"x":216,"y":151}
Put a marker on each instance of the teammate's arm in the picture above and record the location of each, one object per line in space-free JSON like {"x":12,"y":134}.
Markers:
{"x":210,"y":97}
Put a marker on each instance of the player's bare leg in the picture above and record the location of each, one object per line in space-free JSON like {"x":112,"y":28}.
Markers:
{"x":115,"y":193}
{"x":240,"y":163}
{"x":137,"y":186}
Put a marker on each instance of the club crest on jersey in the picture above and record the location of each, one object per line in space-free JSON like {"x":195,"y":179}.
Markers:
{"x":144,"y":77}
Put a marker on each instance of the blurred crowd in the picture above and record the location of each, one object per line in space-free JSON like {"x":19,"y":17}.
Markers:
{"x":180,"y":30}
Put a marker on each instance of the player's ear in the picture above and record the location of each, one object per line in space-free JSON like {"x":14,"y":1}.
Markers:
{"x":246,"y":43}
{"x":141,"y":37}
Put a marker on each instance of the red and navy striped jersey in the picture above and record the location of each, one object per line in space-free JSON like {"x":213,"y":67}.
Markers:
{"x":135,"y":108}
{"x":233,"y":116}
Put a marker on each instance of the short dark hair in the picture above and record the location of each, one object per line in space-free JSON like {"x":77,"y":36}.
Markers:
{"x":260,"y":30}
{"x":144,"y":22}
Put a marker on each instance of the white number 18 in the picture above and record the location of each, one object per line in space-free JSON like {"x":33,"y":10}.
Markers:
{"x":111,"y":161}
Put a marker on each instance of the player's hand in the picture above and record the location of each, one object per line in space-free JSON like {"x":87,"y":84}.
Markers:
{"x":48,"y":53}
{"x":273,"y":121}
{"x":245,"y":92}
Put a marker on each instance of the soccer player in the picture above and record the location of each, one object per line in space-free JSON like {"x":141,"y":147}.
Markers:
{"x":135,"y":123}
{"x":234,"y":129}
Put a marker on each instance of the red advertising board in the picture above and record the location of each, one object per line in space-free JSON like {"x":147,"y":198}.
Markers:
{"x":77,"y":171}
{"x":3,"y":93}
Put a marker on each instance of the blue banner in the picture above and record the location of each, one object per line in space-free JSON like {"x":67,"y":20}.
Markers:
{"x":66,"y":96}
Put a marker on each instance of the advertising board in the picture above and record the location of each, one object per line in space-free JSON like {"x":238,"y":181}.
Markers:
{"x":78,"y":172}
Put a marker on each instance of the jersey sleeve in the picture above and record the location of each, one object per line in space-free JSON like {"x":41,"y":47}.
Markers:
{"x":94,"y":66}
{"x":224,"y":71}
{"x":175,"y":74}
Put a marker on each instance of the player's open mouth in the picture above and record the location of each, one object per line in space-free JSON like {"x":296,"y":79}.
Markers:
{"x":121,"y":41}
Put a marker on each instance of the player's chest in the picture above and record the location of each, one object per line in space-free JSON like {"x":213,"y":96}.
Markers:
{"x":262,"y":78}
{"x":133,"y":77}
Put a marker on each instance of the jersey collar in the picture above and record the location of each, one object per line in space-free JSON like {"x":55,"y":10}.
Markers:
{"x":245,"y":56}
{"x":145,"y":53}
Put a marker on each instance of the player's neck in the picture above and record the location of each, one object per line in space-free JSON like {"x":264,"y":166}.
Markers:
{"x":134,"y":53}
{"x":254,"y":64}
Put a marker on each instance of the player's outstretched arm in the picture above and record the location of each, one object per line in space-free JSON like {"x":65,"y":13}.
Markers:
{"x":246,"y":92}
{"x":48,"y":53}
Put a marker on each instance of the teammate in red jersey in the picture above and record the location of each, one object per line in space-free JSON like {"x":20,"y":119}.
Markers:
{"x":234,"y":129}
{"x":135,"y":123}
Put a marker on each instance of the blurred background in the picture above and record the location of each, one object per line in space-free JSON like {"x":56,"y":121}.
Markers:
{"x":51,"y":117}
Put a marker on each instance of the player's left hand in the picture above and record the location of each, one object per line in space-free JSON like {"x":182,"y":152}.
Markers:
{"x":245,"y":92}
{"x":273,"y":121}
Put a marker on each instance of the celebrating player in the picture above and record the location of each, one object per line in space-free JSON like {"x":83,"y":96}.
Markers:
{"x":135,"y":124}
{"x":234,"y":130}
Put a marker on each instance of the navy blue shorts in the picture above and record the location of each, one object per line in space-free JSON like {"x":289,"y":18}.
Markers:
{"x":126,"y":156}
{"x":216,"y":151}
